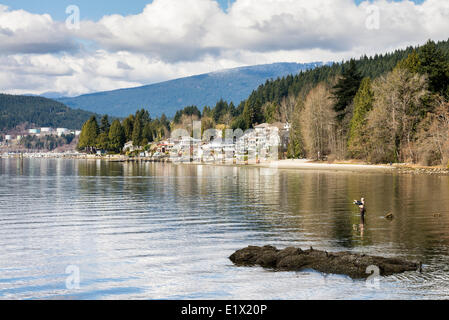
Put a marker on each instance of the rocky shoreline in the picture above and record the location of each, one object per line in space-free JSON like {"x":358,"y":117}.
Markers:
{"x":356,"y":266}
{"x":422,"y":170}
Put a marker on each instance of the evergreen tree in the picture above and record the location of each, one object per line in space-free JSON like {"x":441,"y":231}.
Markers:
{"x":89,"y":134}
{"x":104,"y":124}
{"x":239,"y":123}
{"x":103,"y":141}
{"x":144,"y":116}
{"x":128,"y":127}
{"x":207,"y":112}
{"x":434,"y":64}
{"x":411,"y":63}
{"x":137,"y":132}
{"x":116,"y":137}
{"x":252,"y":113}
{"x":358,"y":135}
{"x":346,"y":89}
{"x":164,"y":122}
{"x":148,"y":133}
{"x":296,"y":148}
{"x":220,"y":110}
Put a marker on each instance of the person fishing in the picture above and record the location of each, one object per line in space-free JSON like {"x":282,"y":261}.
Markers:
{"x":361,"y":205}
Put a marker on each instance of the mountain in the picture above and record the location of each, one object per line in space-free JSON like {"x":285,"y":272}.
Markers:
{"x":168,"y":97}
{"x":40,"y":112}
{"x":53,"y":95}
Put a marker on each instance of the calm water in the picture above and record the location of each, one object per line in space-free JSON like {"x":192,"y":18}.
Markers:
{"x":161,"y":231}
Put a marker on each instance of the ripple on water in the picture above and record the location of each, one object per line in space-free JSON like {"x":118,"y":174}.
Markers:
{"x":156,"y":231}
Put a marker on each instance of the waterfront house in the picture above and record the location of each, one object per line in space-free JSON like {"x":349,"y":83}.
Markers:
{"x":129,"y":147}
{"x":164,"y":147}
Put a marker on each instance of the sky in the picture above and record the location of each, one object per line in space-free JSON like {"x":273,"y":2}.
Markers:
{"x":117,"y":44}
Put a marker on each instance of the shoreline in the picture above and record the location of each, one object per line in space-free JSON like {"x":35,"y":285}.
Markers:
{"x":305,"y":164}
{"x":298,"y":164}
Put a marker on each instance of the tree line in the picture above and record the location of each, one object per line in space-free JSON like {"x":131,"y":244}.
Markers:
{"x":401,"y":116}
{"x":138,"y":128}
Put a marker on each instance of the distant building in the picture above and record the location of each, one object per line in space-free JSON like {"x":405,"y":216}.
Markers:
{"x":47,"y":130}
{"x":101,"y":152}
{"x":165,"y":147}
{"x":34,"y":131}
{"x":129,"y":146}
{"x":77,"y":132}
{"x":61,"y":131}
{"x":8,"y":137}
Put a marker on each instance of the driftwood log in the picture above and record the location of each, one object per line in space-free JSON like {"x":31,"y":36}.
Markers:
{"x":356,"y":266}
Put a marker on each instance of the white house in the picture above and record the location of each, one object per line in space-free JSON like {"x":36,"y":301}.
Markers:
{"x":47,"y":130}
{"x":34,"y":131}
{"x":129,"y":146}
{"x":8,"y":137}
{"x":61,"y":131}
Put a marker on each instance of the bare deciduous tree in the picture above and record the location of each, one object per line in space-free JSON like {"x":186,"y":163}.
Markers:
{"x":318,"y":122}
{"x":287,"y":109}
{"x":398,"y":99}
{"x":433,"y":136}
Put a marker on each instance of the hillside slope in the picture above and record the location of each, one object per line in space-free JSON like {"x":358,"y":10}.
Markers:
{"x":168,"y":97}
{"x":373,"y":67}
{"x":38,"y":111}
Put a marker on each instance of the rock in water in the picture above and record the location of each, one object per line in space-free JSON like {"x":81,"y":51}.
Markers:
{"x":294,"y":259}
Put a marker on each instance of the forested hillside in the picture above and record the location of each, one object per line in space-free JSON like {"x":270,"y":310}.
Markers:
{"x":292,"y":85}
{"x":386,"y":108}
{"x":38,"y":111}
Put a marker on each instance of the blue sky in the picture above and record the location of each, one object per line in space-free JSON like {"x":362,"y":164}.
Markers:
{"x":90,"y":9}
{"x":95,"y":9}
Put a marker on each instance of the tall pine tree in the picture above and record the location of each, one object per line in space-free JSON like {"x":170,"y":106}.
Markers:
{"x":434,"y":63}
{"x":137,"y":132}
{"x":104,"y":124}
{"x":346,"y":89}
{"x":358,"y":135}
{"x":89,"y":134}
{"x":116,"y":137}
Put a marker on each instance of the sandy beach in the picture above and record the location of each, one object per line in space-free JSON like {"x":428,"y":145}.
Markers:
{"x":309,"y":164}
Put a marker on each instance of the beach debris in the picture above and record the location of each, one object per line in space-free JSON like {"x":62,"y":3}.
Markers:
{"x":389,"y":216}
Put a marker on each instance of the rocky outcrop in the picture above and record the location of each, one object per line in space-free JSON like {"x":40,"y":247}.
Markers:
{"x":295,"y":259}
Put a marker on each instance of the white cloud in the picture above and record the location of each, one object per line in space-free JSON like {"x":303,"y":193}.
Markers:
{"x":172,"y":38}
{"x":23,"y":32}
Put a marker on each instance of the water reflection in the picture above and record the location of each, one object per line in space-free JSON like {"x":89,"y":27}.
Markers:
{"x":165,"y":231}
